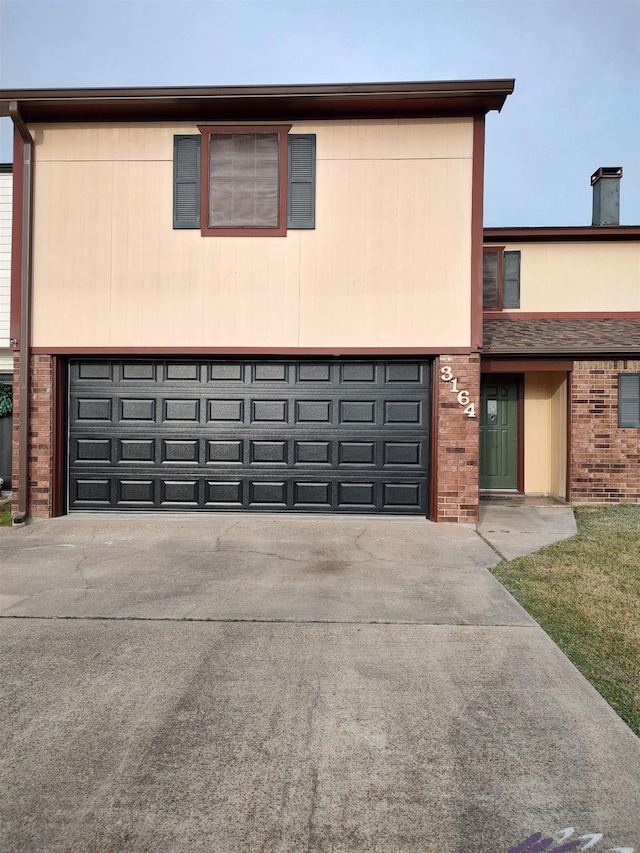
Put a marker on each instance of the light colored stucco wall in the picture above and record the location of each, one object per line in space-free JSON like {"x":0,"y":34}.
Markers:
{"x":388,"y":264}
{"x":6,"y":188}
{"x":579,"y":276}
{"x":545,"y":433}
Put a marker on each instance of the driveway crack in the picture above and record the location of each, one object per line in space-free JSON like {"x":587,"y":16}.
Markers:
{"x":78,"y":569}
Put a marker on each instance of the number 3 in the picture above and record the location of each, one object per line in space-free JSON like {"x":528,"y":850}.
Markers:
{"x":446,"y":374}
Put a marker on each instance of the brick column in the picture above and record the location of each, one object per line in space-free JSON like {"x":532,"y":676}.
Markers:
{"x":457,"y":448}
{"x":605,"y":460}
{"x":40,"y":435}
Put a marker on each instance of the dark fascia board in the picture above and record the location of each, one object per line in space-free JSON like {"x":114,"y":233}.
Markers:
{"x":6,"y":167}
{"x":232,"y":103}
{"x":570,"y":234}
{"x":587,"y":352}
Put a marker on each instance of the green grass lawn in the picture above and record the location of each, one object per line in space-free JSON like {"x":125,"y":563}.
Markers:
{"x":5,"y":516}
{"x":585,"y":592}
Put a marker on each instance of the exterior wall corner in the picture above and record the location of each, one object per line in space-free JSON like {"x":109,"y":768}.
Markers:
{"x":457,"y":442}
{"x":41,"y":435}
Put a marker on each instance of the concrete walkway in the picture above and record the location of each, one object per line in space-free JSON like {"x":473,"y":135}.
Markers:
{"x":245,"y":683}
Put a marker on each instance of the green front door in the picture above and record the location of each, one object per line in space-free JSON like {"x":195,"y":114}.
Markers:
{"x":499,"y":433}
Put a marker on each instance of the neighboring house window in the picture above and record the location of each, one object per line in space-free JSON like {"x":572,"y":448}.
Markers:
{"x":629,"y":400}
{"x":500,"y":279}
{"x":244,"y":181}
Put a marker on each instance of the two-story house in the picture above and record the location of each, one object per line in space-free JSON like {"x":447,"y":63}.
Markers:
{"x":271,"y":299}
{"x":244,"y":298}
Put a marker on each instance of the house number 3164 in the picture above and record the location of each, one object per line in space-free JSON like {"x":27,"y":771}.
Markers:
{"x":446,"y":374}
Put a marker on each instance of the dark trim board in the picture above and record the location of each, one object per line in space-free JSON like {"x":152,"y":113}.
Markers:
{"x":16,"y":239}
{"x":524,"y":365}
{"x":59,"y":436}
{"x":571,"y":234}
{"x":561,"y":315}
{"x":477,"y":252}
{"x":520,"y":380}
{"x":301,"y":352}
{"x":433,"y":449}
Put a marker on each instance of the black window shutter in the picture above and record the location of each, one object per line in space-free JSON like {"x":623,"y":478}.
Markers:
{"x":629,"y":400}
{"x":301,"y":201}
{"x":186,"y":181}
{"x":511,"y":280}
{"x":490,"y":280}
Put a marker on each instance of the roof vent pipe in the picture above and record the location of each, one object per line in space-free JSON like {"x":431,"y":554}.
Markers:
{"x":606,"y":195}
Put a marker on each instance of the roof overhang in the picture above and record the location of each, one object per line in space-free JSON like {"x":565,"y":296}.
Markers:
{"x":547,"y":336}
{"x":230,"y":103}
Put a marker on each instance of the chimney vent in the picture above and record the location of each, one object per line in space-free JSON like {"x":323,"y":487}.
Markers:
{"x":606,"y":195}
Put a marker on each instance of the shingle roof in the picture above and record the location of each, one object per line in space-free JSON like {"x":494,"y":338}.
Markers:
{"x":564,"y":336}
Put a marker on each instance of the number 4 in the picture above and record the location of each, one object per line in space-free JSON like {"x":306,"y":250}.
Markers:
{"x":470,"y":410}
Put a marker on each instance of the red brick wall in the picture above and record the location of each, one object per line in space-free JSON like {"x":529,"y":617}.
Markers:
{"x":455,"y":479}
{"x":605,"y":460}
{"x":40,"y":435}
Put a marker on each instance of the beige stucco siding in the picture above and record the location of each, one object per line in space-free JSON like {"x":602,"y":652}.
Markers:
{"x":545,"y":433}
{"x":579,"y":276}
{"x":388,"y":264}
{"x":6,"y":189}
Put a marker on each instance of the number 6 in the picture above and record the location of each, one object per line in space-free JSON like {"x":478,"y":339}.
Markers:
{"x":463,"y":398}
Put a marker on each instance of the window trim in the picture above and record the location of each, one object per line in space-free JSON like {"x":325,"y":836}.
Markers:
{"x":207,"y":130}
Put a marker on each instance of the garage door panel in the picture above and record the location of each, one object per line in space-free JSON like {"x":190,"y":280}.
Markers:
{"x":136,"y":492}
{"x":94,"y":371}
{"x":181,"y":451}
{"x":268,"y":453}
{"x":137,"y":410}
{"x":91,"y":492}
{"x":313,"y":373}
{"x":180,"y":493}
{"x":93,"y":409}
{"x":224,"y":494}
{"x":140,"y":371}
{"x":136,"y":451}
{"x":345,"y":436}
{"x":224,"y":452}
{"x":90,"y":451}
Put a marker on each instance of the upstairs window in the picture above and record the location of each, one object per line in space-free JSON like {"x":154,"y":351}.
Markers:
{"x":244,"y":181}
{"x":244,"y":187}
{"x":500,"y":279}
{"x":629,"y":400}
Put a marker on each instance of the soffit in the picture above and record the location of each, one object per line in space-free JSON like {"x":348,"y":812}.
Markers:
{"x":230,"y":103}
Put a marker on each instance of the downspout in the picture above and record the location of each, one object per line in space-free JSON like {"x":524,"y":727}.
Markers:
{"x":25,"y":314}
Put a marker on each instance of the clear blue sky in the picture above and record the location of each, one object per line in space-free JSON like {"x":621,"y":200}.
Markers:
{"x":577,"y":67}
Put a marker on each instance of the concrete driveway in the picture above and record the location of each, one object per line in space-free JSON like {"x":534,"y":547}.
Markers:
{"x":243,"y":683}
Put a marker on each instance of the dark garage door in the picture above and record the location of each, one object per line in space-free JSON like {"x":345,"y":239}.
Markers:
{"x":325,"y":435}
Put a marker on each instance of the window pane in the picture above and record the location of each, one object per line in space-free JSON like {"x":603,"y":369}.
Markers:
{"x":243,"y":180}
